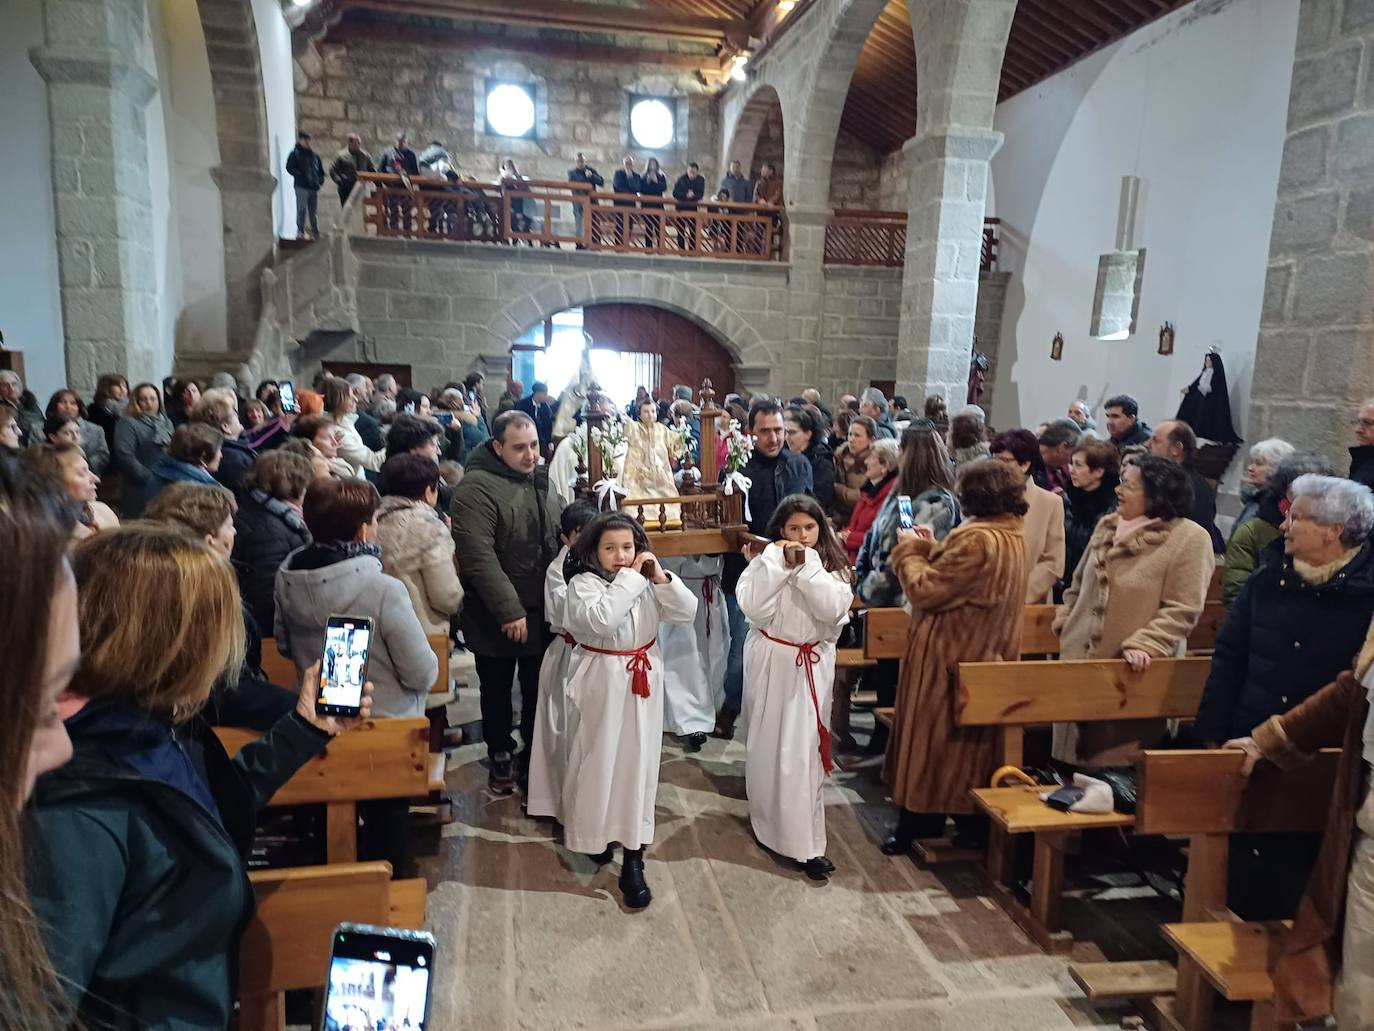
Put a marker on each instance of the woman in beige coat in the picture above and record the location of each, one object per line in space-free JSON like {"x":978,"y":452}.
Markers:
{"x":417,"y":547}
{"x":965,"y":594}
{"x":1136,"y":595}
{"x":1044,"y":523}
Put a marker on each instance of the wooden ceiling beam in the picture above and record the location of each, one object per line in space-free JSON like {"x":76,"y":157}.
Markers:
{"x":567,"y":15}
{"x":1037,"y":50}
{"x":1014,"y":63}
{"x":1108,"y":21}
{"x":1072,"y":35}
{"x":1034,"y":26}
{"x":457,"y":39}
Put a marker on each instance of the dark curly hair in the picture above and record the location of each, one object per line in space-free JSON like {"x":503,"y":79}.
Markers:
{"x":582,"y":556}
{"x":1168,"y":490}
{"x":1021,"y":444}
{"x":990,"y":488}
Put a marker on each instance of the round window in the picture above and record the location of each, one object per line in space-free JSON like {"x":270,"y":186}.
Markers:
{"x":651,"y":124}
{"x":510,"y":110}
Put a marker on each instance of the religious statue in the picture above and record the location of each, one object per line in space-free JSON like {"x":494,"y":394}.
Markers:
{"x":648,"y":471}
{"x":1206,"y":403}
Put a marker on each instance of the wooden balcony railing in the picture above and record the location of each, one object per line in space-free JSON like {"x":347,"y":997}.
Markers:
{"x":549,"y":213}
{"x":878,"y":238}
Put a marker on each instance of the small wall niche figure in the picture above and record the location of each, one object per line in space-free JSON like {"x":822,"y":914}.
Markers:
{"x":1206,"y":403}
{"x":1057,"y":348}
{"x":1166,"y":338}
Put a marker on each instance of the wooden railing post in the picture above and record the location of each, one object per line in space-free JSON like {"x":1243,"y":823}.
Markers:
{"x":706,"y":449}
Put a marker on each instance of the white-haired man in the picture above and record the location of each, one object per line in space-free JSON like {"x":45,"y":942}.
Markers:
{"x":873,"y":404}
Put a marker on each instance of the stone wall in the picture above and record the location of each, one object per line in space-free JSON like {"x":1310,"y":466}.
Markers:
{"x":447,"y":308}
{"x":437,"y":92}
{"x":1315,"y":355}
{"x":855,"y":174}
{"x":859,"y":317}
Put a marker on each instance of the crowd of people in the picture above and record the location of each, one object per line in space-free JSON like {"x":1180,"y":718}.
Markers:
{"x":155,"y":534}
{"x":689,"y":189}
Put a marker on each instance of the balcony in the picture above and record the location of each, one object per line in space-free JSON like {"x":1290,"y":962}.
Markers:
{"x":878,"y":239}
{"x":552,"y":214}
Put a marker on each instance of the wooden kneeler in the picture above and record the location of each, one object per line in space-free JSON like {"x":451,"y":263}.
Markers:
{"x":383,"y":758}
{"x":287,"y":944}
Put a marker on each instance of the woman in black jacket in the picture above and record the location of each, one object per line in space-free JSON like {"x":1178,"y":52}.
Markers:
{"x":806,"y":436}
{"x":270,"y":526}
{"x":1094,"y":472}
{"x":137,"y":847}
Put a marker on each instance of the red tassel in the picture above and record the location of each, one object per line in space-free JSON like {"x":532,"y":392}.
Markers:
{"x":827,"y":762}
{"x":638,"y":668}
{"x":808,"y":657}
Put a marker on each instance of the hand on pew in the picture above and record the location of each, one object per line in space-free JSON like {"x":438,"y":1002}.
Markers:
{"x":1251,"y":750}
{"x":332,"y":725}
{"x":1136,"y":659}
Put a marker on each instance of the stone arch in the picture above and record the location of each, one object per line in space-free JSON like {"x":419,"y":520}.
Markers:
{"x":741,"y":340}
{"x":743,"y":137}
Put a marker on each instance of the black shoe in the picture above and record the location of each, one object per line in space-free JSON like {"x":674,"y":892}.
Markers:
{"x":897,"y":845}
{"x":971,"y":841}
{"x":725,"y":724}
{"x":602,"y":858}
{"x":501,"y":779}
{"x":818,"y":869}
{"x":692,"y":742}
{"x":632,"y":887}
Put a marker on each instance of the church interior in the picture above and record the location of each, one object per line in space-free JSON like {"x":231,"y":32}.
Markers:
{"x":1015,"y":207}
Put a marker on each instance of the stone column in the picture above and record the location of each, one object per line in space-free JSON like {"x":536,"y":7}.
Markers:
{"x":959,"y":48}
{"x":806,"y":289}
{"x":1314,"y":361}
{"x":97,"y":93}
{"x":245,"y":183}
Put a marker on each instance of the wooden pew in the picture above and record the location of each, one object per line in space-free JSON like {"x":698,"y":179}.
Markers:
{"x":387,"y":758}
{"x":287,"y":945}
{"x":1203,"y":795}
{"x":886,"y":629}
{"x":1014,"y":695}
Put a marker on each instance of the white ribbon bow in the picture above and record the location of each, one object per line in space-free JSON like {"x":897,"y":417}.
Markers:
{"x":608,"y":489}
{"x":744,"y":483}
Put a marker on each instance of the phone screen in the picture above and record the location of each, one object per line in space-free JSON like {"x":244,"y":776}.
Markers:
{"x":904,"y":511}
{"x":343,"y":668}
{"x":444,"y":419}
{"x":287,"y":393}
{"x":379,"y":977}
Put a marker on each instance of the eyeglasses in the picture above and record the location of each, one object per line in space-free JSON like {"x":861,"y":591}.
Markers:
{"x":1364,"y":424}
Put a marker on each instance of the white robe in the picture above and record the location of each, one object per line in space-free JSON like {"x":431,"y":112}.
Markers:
{"x":694,"y":660}
{"x":613,"y":737}
{"x":782,"y":768}
{"x":547,"y":757}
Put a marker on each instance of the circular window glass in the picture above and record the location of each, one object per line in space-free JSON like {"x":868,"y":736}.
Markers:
{"x":651,"y":124}
{"x":510,"y":110}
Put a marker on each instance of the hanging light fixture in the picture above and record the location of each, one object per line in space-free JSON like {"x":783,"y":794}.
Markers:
{"x":785,"y":7}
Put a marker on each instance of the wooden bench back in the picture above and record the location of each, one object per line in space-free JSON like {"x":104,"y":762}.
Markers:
{"x":1022,"y":693}
{"x":383,"y":758}
{"x":442,"y":648}
{"x":1203,"y":792}
{"x":885,"y":631}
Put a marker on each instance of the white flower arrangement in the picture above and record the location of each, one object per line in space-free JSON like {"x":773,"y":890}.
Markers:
{"x":609,"y":440}
{"x":739,"y":446}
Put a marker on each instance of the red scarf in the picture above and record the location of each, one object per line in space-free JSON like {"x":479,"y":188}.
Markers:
{"x":638,"y":667}
{"x":808,"y":657}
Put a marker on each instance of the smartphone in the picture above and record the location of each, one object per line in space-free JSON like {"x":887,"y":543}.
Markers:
{"x":379,"y":977}
{"x":444,"y":419}
{"x":1064,"y":799}
{"x":343,"y":668}
{"x":287,"y":393}
{"x":408,"y":408}
{"x":904,"y":512}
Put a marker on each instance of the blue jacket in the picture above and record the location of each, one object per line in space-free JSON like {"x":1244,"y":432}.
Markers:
{"x":168,"y":470}
{"x":1283,"y":641}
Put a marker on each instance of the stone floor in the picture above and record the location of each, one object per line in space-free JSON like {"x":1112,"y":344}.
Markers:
{"x":532,"y":936}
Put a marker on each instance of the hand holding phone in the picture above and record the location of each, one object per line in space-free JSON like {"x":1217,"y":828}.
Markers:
{"x":286,"y":392}
{"x":343,"y":667}
{"x":904,"y":512}
{"x":365,"y":958}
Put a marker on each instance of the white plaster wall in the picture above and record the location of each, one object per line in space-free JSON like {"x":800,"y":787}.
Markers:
{"x":1196,"y":106}
{"x":30,"y":304}
{"x":196,"y":237}
{"x":274,"y":51}
{"x":166,"y":246}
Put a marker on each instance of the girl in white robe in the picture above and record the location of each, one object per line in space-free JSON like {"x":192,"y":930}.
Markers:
{"x":694,"y":656}
{"x":795,"y":614}
{"x":614,"y":693}
{"x":544,"y":796}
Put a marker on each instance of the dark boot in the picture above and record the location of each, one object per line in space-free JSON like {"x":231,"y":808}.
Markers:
{"x":818,"y":869}
{"x":725,"y":723}
{"x":911,"y":826}
{"x":501,"y":778}
{"x":602,"y":858}
{"x":632,"y":886}
{"x":692,"y":742}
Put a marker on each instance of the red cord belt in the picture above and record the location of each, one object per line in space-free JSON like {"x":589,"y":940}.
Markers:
{"x":708,"y":594}
{"x":638,"y":667}
{"x":808,"y":657}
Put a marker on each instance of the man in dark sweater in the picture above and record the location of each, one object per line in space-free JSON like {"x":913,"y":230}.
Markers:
{"x":1176,"y":441}
{"x":306,"y":170}
{"x":1123,"y":422}
{"x":581,"y":172}
{"x":689,"y":188}
{"x":773,"y":473}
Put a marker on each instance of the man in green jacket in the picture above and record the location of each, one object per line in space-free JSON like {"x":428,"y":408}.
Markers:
{"x":505,"y":529}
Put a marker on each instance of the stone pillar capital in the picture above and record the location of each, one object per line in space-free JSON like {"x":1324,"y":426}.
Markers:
{"x":959,"y":142}
{"x":94,"y":67}
{"x":808,"y":215}
{"x":233,"y":179}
